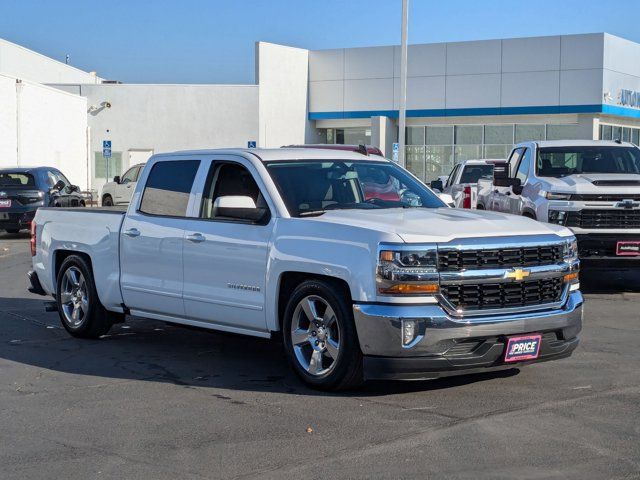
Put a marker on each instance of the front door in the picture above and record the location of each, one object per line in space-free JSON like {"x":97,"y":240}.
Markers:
{"x":225,"y":259}
{"x":500,"y":199}
{"x":151,"y":241}
{"x":123,"y":191}
{"x":514,"y":200}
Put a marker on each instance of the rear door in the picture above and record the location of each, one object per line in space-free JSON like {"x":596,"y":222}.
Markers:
{"x":225,"y":260}
{"x":152,"y":236}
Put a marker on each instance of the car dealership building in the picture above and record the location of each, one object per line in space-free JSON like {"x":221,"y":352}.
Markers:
{"x":464,"y":100}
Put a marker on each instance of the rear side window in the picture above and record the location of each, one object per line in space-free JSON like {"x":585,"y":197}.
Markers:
{"x":168,"y":186}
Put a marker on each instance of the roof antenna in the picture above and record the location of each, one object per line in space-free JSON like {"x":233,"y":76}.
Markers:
{"x":363,"y":150}
{"x":617,"y":140}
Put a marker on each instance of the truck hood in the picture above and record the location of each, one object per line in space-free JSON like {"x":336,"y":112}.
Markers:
{"x":426,"y":225}
{"x":598,"y":183}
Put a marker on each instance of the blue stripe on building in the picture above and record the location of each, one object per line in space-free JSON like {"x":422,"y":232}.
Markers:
{"x":465,"y":112}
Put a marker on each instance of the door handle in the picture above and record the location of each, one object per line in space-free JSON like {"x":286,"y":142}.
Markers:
{"x":132,"y":232}
{"x":196,"y":238}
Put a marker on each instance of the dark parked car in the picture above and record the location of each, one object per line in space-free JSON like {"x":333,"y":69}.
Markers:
{"x":23,"y":190}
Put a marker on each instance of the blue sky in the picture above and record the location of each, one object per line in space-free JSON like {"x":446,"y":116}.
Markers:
{"x":198,"y":41}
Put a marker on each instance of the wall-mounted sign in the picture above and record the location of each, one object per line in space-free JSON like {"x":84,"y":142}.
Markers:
{"x":629,"y":98}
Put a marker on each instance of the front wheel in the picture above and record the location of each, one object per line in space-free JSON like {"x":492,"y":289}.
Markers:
{"x":107,"y":201}
{"x":81,"y":312}
{"x":12,"y":230}
{"x":320,"y":338}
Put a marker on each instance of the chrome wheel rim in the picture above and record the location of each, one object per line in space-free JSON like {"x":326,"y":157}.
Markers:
{"x":73,"y":297}
{"x":315,"y":335}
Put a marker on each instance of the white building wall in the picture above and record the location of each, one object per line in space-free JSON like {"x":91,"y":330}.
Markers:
{"x":20,"y":62}
{"x":164,"y":118}
{"x":524,"y":72}
{"x":282,"y":76}
{"x":41,"y":125}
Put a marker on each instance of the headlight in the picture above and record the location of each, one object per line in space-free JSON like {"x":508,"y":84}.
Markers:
{"x":555,"y":196}
{"x":570,"y":252}
{"x":407,"y":272}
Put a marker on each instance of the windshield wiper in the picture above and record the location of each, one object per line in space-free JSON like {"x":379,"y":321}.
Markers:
{"x":312,"y":213}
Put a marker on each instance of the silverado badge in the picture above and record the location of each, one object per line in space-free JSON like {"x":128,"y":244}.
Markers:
{"x":517,"y":274}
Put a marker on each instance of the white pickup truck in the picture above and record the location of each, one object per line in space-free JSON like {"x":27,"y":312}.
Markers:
{"x":461,"y":183}
{"x":589,"y":186}
{"x":311,"y":245}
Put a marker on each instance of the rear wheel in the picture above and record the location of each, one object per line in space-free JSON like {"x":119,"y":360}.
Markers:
{"x":107,"y":201}
{"x":320,"y":338}
{"x":12,"y":230}
{"x":81,"y":312}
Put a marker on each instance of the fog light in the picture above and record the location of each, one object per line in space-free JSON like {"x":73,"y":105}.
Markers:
{"x":409,"y":332}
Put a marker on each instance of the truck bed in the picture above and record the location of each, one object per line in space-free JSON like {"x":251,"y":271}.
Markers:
{"x":91,"y":231}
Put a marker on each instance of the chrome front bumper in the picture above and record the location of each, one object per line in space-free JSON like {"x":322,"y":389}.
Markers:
{"x":436,"y":353}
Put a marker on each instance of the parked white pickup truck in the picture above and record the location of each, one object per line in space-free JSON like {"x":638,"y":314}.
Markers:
{"x":592,"y":187}
{"x":296,"y":242}
{"x":461,"y":182}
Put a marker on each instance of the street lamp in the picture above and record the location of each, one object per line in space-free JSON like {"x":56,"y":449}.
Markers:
{"x":403,"y":83}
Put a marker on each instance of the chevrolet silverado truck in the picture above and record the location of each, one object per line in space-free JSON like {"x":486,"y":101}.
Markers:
{"x":590,"y":186}
{"x":285,"y":243}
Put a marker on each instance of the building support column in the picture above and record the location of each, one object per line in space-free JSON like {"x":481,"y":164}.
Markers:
{"x":383,"y":134}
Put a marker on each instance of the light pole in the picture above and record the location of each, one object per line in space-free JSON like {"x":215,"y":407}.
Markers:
{"x":403,"y":83}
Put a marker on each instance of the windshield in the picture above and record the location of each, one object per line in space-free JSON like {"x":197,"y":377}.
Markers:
{"x":563,"y":161}
{"x":16,"y":179}
{"x":312,"y":187}
{"x":473,"y":173}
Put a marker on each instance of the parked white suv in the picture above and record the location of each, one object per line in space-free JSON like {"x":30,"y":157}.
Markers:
{"x":355,"y":263}
{"x":592,"y":187}
{"x":119,"y":191}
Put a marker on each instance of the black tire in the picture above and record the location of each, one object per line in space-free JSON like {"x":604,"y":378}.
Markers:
{"x":107,"y":201}
{"x":93,"y":319}
{"x":12,"y":230}
{"x":347,"y":371}
{"x":479,"y":207}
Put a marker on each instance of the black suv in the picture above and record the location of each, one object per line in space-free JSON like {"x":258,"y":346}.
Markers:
{"x":23,"y":190}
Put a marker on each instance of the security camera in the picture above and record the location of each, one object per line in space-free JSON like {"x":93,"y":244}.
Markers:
{"x":106,"y":104}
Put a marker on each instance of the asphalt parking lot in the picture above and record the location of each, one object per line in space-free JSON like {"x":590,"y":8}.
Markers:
{"x":157,"y":401}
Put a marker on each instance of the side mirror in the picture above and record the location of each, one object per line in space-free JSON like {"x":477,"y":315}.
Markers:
{"x":436,"y":185}
{"x":58,"y":186}
{"x":516,"y":186}
{"x":239,"y":207}
{"x":501,"y":175}
{"x":74,"y":188}
{"x":116,"y":179}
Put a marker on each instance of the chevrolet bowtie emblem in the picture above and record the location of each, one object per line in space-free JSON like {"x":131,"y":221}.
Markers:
{"x":517,"y":274}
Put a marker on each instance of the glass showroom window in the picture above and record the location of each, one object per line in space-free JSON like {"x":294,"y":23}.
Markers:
{"x":438,"y":151}
{"x":526,"y":133}
{"x":616,"y":133}
{"x":468,"y":142}
{"x":635,"y":136}
{"x":605,"y":132}
{"x":562,"y":132}
{"x":415,"y":136}
{"x":414,"y":159}
{"x":626,"y":134}
{"x":498,"y":141}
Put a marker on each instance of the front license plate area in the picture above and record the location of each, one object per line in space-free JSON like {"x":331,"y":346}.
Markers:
{"x":524,"y":347}
{"x":628,"y":248}
{"x":5,"y":203}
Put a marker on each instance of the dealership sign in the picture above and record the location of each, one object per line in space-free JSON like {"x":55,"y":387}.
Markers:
{"x":630,"y":98}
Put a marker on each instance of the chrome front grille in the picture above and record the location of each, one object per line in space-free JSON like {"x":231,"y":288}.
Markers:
{"x":483,"y":296}
{"x":529,"y":256}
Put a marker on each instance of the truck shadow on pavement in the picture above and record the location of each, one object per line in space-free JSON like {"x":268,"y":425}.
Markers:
{"x":147,"y":350}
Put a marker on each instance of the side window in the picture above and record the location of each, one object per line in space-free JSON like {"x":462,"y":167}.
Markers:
{"x":513,"y":161}
{"x":51,"y":179}
{"x":130,"y":175}
{"x":138,"y":172}
{"x":230,"y":180}
{"x":168,"y":187}
{"x":523,"y":168}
